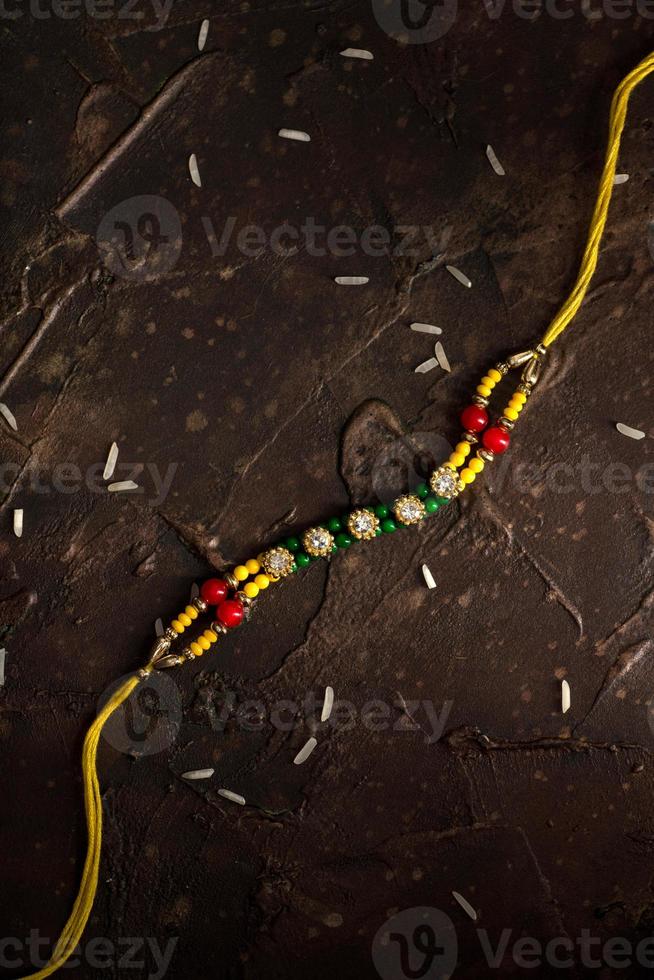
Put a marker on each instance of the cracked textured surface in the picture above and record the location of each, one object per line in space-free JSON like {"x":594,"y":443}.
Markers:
{"x":248,"y":396}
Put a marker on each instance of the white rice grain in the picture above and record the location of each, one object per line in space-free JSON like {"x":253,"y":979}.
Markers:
{"x":305,"y":751}
{"x":122,"y":485}
{"x":626,"y":430}
{"x":9,"y":416}
{"x":565,"y":696}
{"x":426,"y":366}
{"x":234,"y":797}
{"x":198,"y":774}
{"x":441,"y":356}
{"x":362,"y":53}
{"x":3,"y":657}
{"x":494,"y":162}
{"x":428,"y":577}
{"x":202,"y":36}
{"x":425,"y":328}
{"x":327,"y":704}
{"x":193,"y":170}
{"x":110,"y":465}
{"x":465,"y":905}
{"x":294,"y":134}
{"x":18,"y":522}
{"x":159,"y":627}
{"x":620,"y":179}
{"x":351,"y":280}
{"x":459,"y":276}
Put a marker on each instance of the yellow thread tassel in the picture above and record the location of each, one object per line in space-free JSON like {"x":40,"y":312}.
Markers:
{"x":618,"y":116}
{"x":76,"y":924}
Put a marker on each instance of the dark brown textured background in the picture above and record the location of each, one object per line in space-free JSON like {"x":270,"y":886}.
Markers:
{"x":262,"y":381}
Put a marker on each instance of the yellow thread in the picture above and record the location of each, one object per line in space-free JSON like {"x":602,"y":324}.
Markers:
{"x":76,"y":924}
{"x":617,"y":119}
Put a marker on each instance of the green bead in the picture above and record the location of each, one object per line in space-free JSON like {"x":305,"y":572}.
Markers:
{"x":343,"y":540}
{"x":334,"y":525}
{"x":293,"y":544}
{"x":442,"y":501}
{"x":370,"y":508}
{"x":388,"y":526}
{"x":382,"y":511}
{"x":431,"y":505}
{"x":302,"y":560}
{"x":378,"y":532}
{"x":422,"y":491}
{"x":294,"y":567}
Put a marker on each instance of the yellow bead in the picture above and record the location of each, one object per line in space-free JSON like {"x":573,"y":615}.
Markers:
{"x":510,"y":413}
{"x":495,"y":375}
{"x":516,"y":405}
{"x":488,"y":381}
{"x":467,"y":475}
{"x":210,"y":636}
{"x":476,"y":465}
{"x":483,"y":390}
{"x":203,"y":642}
{"x":196,"y":649}
{"x":191,"y":612}
{"x":177,"y":626}
{"x":463,"y":448}
{"x":450,"y":465}
{"x":252,"y":566}
{"x":519,"y":396}
{"x":262,"y":581}
{"x":251,"y":590}
{"x":184,"y":619}
{"x":457,"y":459}
{"x":241,"y":573}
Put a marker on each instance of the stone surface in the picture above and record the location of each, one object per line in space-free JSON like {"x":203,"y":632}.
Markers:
{"x":251,"y":397}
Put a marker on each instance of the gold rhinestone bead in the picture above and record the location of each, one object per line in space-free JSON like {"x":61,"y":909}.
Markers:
{"x":409,"y":509}
{"x":218,"y":628}
{"x":277,"y":562}
{"x":469,"y":437}
{"x":317,"y":541}
{"x":231,"y":580}
{"x":362,"y":524}
{"x":524,"y":388}
{"x":506,"y":423}
{"x":200,"y":604}
{"x":170,"y":633}
{"x":486,"y":454}
{"x":480,"y":400}
{"x":444,"y":482}
{"x":502,"y":367}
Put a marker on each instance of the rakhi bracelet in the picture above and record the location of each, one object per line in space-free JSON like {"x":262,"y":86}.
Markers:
{"x":231,"y":597}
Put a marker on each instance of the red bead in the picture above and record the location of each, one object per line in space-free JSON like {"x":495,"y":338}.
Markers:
{"x":214,"y":590}
{"x":230,"y":612}
{"x":474,"y":418}
{"x":496,"y":439}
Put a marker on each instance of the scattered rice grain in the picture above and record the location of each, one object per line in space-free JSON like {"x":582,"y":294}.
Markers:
{"x":193,"y":170}
{"x":425,"y":328}
{"x":202,"y":36}
{"x":110,"y":465}
{"x":351,"y":280}
{"x":305,"y":751}
{"x":357,"y":53}
{"x":3,"y":657}
{"x":460,"y":276}
{"x":18,"y":522}
{"x":159,"y":627}
{"x":426,"y":366}
{"x":620,"y":179}
{"x":234,"y":797}
{"x":294,"y":134}
{"x":198,"y":774}
{"x":122,"y":485}
{"x":327,"y":704}
{"x":9,"y":416}
{"x":494,"y":162}
{"x":428,"y":577}
{"x":465,"y":905}
{"x":626,"y":430}
{"x":565,"y":696}
{"x":441,"y":356}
